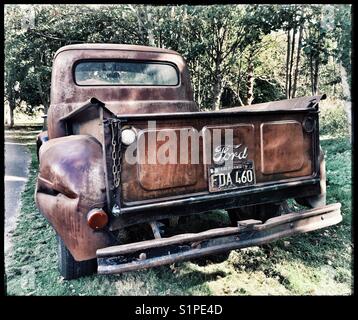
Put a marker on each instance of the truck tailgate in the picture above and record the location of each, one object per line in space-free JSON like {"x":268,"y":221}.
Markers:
{"x":271,"y":143}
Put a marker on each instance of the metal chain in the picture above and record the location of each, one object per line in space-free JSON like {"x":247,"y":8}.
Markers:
{"x":116,"y":151}
{"x":119,"y":153}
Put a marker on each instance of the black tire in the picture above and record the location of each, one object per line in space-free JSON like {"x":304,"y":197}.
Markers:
{"x":70,"y":268}
{"x":261,"y":212}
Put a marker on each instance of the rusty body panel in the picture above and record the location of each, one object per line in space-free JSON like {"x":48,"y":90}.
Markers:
{"x":69,"y":185}
{"x":78,"y":164}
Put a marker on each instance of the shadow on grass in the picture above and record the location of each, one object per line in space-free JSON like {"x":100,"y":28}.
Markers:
{"x":192,"y":277}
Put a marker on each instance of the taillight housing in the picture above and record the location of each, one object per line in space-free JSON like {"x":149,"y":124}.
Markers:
{"x":97,"y":219}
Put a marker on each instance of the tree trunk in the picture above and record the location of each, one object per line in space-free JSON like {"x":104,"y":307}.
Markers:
{"x":287,"y":61}
{"x":199,"y":84}
{"x":240,"y":101}
{"x":238,"y":79}
{"x":299,"y":46}
{"x":315,"y":77}
{"x":291,"y":63}
{"x":7,"y":115}
{"x":10,"y":121}
{"x":250,"y":79}
{"x":218,"y":85}
{"x":347,"y":98}
{"x":311,"y":72}
{"x":45,"y":99}
{"x":160,"y":39}
{"x":218,"y":90}
{"x":150,"y":29}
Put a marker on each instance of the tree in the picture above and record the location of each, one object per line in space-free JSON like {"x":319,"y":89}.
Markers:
{"x":222,"y":28}
{"x":315,"y":44}
{"x":260,"y":20}
{"x":342,"y":27}
{"x":293,"y":24}
{"x":13,"y":69}
{"x":342,"y":31}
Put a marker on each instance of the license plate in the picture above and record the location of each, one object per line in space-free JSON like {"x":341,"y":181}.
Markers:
{"x":239,"y":175}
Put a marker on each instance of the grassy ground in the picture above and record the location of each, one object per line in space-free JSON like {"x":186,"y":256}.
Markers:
{"x":318,"y":263}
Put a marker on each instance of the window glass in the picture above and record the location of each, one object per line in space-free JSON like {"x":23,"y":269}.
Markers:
{"x":125,"y":73}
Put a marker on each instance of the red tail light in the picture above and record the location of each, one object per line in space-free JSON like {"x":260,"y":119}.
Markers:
{"x":97,"y":219}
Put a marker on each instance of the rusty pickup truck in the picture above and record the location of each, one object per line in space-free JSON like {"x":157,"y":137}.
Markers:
{"x":126,"y":144}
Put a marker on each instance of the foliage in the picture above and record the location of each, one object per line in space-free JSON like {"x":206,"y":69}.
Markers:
{"x":342,"y":28}
{"x":267,"y":90}
{"x":333,"y":119}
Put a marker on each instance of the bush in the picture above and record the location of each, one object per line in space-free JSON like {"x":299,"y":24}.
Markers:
{"x":333,"y":118}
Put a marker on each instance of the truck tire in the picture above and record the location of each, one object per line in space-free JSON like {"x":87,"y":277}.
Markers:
{"x":70,"y":268}
{"x":261,"y":212}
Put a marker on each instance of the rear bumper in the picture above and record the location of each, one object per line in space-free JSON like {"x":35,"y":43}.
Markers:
{"x":157,"y":252}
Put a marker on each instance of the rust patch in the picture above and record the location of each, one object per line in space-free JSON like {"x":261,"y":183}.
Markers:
{"x":159,"y":176}
{"x":281,"y":147}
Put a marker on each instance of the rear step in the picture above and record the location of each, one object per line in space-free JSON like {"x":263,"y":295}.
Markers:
{"x":161,"y":251}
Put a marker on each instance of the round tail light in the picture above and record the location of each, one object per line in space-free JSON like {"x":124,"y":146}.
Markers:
{"x":97,"y":219}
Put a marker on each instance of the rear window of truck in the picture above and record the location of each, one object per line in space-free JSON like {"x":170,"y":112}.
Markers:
{"x":109,"y":73}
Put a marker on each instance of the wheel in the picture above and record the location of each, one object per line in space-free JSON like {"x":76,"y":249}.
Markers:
{"x":70,"y":268}
{"x":261,"y":212}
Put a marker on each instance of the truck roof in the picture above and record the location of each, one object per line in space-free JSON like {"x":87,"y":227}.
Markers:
{"x":113,"y":46}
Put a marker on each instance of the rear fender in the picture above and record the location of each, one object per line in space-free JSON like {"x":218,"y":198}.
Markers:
{"x":71,"y":183}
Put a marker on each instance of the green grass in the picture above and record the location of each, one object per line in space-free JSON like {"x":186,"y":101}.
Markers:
{"x":316,"y":263}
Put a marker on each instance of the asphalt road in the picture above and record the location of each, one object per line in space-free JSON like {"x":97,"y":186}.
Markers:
{"x":17,"y":158}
